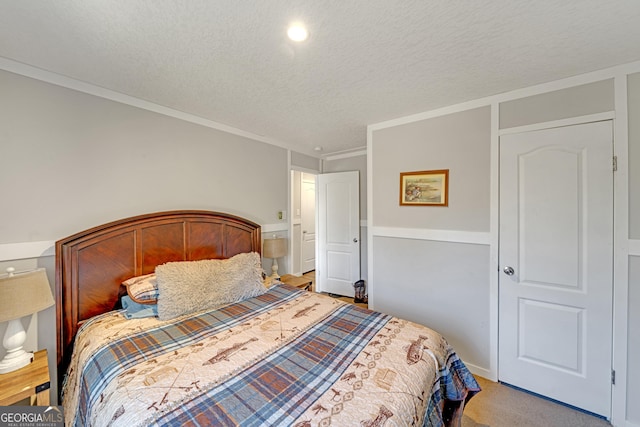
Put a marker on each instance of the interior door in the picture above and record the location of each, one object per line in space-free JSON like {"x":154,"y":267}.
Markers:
{"x":308,"y":221}
{"x":338,"y":235}
{"x":556,"y":262}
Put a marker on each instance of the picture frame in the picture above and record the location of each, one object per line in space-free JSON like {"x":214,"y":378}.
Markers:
{"x":424,"y":188}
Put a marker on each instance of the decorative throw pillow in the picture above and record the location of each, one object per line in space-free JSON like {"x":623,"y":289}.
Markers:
{"x":143,"y":289}
{"x":190,"y":286}
{"x":133,"y":310}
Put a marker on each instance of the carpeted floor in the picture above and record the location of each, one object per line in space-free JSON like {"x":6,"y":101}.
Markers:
{"x":498,"y":405}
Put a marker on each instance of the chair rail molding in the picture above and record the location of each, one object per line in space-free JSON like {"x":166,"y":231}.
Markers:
{"x":453,"y":236}
{"x":26,"y":250}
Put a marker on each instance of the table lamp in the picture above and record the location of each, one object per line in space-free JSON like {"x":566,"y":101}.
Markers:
{"x":274,"y":248}
{"x":21,"y":294}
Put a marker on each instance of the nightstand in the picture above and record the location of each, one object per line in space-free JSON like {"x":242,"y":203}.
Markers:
{"x":31,"y":381}
{"x":299,"y":282}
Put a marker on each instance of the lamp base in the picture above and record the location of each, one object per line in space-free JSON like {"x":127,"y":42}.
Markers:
{"x":16,"y":357}
{"x":15,"y":360}
{"x":274,"y":270}
{"x":274,"y":277}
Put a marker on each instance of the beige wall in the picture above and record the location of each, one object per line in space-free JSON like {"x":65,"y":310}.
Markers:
{"x":304,"y":161}
{"x":575,"y":101}
{"x":459,"y":142}
{"x":412,"y":276}
{"x":71,"y":161}
{"x":443,"y":285}
{"x":424,"y":280}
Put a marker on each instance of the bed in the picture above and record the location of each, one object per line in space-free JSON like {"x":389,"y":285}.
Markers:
{"x":278,"y":356}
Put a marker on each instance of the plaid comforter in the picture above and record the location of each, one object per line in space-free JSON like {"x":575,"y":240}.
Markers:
{"x":288,"y":357}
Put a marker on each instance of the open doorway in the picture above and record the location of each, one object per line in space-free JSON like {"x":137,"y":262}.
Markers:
{"x":325,"y":229}
{"x":303,"y":232}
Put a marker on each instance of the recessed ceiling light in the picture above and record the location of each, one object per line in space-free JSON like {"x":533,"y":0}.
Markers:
{"x":297,"y":33}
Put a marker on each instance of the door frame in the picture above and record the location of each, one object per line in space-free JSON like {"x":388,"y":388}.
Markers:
{"x":315,"y":221}
{"x":620,"y":237}
{"x":291,"y":221}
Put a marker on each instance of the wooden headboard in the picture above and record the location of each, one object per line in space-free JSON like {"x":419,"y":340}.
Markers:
{"x":92,"y":264}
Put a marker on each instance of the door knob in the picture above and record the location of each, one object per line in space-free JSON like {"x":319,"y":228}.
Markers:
{"x":509,"y":271}
{"x":355,"y":240}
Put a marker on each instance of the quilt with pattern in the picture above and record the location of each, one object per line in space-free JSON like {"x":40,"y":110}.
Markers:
{"x":285,"y":358}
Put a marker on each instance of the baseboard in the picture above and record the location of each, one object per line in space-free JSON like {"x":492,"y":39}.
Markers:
{"x":481,"y":372}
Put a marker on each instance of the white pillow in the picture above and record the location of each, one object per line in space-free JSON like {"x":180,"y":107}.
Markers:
{"x":190,"y":286}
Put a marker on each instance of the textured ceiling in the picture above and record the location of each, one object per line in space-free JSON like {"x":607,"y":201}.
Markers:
{"x":366,"y":61}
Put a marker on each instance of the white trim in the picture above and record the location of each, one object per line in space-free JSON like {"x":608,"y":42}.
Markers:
{"x":303,"y":169}
{"x":478,"y":103}
{"x":337,"y":156}
{"x":370,"y":277}
{"x":453,"y":236}
{"x":26,"y":250}
{"x":477,"y":370}
{"x":494,"y":245}
{"x":569,"y":82}
{"x":291,"y":218}
{"x":598,"y":117}
{"x":363,"y":223}
{"x":634,"y":247}
{"x":581,"y":79}
{"x":620,"y":252}
{"x":70,"y":83}
{"x":272,"y":228}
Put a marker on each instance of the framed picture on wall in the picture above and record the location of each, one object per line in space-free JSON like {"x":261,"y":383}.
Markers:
{"x":424,"y":188}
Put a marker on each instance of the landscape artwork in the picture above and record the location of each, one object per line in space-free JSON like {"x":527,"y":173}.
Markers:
{"x":424,"y":188}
